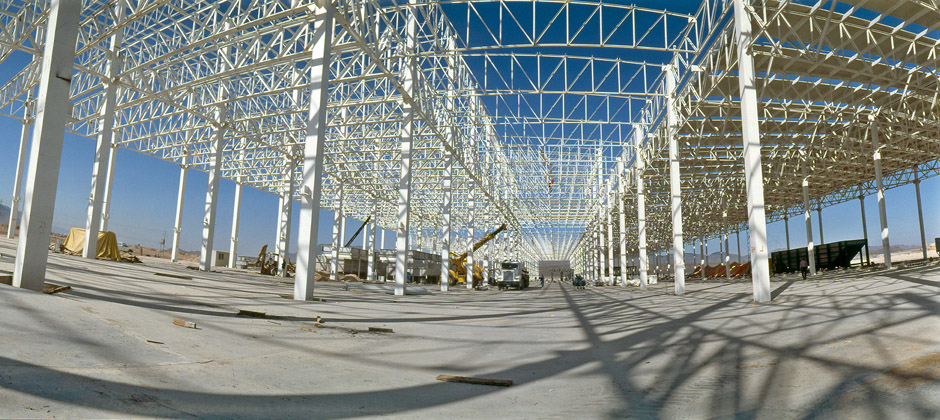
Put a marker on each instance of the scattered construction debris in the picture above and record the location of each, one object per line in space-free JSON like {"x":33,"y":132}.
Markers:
{"x":320,"y":320}
{"x":50,"y":288}
{"x":154,"y":342}
{"x":475,"y":381}
{"x":381,"y":330}
{"x":176,"y":276}
{"x":308,"y":329}
{"x":184,"y":324}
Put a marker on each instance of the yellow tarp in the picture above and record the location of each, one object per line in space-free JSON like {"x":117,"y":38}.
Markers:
{"x":107,"y":244}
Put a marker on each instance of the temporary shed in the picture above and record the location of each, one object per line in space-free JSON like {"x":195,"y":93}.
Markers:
{"x":107,"y":244}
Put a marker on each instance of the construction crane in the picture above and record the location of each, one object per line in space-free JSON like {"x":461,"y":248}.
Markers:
{"x":458,"y":270}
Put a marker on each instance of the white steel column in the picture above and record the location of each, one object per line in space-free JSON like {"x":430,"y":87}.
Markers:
{"x":727,"y":247}
{"x":103,"y":146}
{"x":284,"y":228}
{"x":404,"y":183}
{"x":861,"y":203}
{"x":52,"y":109}
{"x":212,"y":197}
{"x":337,"y":234}
{"x":640,"y":167}
{"x":702,"y":249}
{"x":108,"y":184}
{"x":468,"y":263}
{"x":178,"y":223}
{"x":312,"y":186}
{"x":445,"y":211}
{"x":599,"y":234}
{"x":20,"y":167}
{"x":675,"y":186}
{"x":623,"y":222}
{"x":373,"y":243}
{"x":471,"y":204}
{"x":753,"y":175}
{"x":810,"y":250}
{"x":236,"y":215}
{"x":610,"y":237}
{"x":819,"y":217}
{"x":920,"y":218}
{"x":882,"y":212}
{"x":216,"y":147}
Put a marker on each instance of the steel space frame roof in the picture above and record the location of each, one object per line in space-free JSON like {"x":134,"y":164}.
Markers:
{"x":547,"y":93}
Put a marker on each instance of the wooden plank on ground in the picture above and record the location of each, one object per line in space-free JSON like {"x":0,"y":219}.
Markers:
{"x":253,"y":314}
{"x":175,"y":276}
{"x":316,"y":299}
{"x":55,"y":289}
{"x":475,"y":381}
{"x":380,"y":329}
{"x":184,"y":324}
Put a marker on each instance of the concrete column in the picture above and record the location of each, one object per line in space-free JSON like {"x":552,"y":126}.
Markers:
{"x":52,"y":109}
{"x":621,"y":189}
{"x":103,"y":146}
{"x":404,"y":184}
{"x":786,"y":229}
{"x":236,"y":214}
{"x":312,"y":186}
{"x":178,"y":223}
{"x":337,"y":234}
{"x":809,"y":227}
{"x":882,"y":212}
{"x":861,"y":203}
{"x":20,"y":167}
{"x":675,"y":180}
{"x":819,"y":217}
{"x":753,"y":174}
{"x":640,"y":167}
{"x":108,"y":184}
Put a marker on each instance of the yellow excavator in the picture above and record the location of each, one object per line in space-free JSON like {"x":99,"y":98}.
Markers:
{"x":458,"y":269}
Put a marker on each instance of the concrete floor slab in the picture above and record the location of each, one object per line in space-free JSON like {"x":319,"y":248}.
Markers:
{"x":845,"y":345}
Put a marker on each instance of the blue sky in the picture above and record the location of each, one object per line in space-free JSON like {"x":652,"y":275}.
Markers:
{"x":144,"y":198}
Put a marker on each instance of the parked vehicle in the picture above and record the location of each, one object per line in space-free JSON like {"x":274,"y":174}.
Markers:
{"x":514,"y":275}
